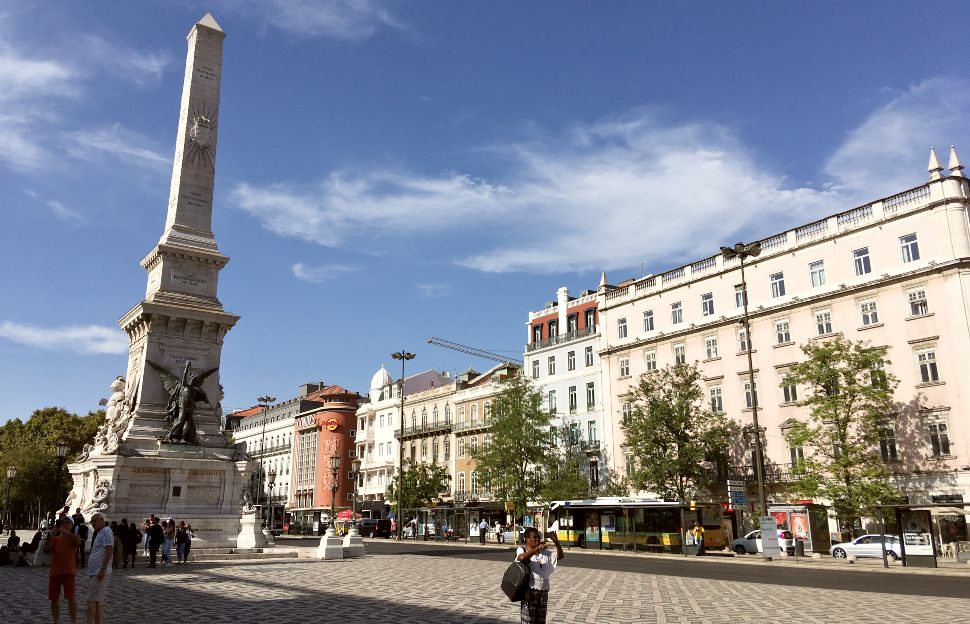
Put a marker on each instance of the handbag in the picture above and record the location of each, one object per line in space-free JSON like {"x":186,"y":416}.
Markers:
{"x":515,"y":581}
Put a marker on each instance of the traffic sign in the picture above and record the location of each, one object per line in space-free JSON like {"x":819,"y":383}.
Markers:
{"x":736,"y":486}
{"x":739,"y":498}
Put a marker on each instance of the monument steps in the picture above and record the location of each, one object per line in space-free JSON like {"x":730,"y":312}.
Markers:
{"x":234,"y":556}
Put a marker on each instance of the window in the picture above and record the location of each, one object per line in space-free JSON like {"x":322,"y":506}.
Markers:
{"x":797,"y":455}
{"x":474,"y":444}
{"x":823,"y":322}
{"x":552,"y":401}
{"x":621,"y":328}
{"x":680,"y":354}
{"x":552,"y":365}
{"x":589,"y":356}
{"x":461,"y":449}
{"x":447,"y":414}
{"x":474,"y":412}
{"x":574,"y":433}
{"x":590,"y":395}
{"x":434,"y":451}
{"x":447,"y":450}
{"x":624,"y":367}
{"x":572,"y":323}
{"x":553,"y":329}
{"x":461,"y":413}
{"x":717,"y":400}
{"x":536,"y":334}
{"x":591,"y":431}
{"x":868,"y":311}
{"x":650,"y":359}
{"x":474,"y":482}
{"x":676,"y":313}
{"x":887,"y":444}
{"x":860,"y":260}
{"x":590,"y":315}
{"x":877,"y":376}
{"x":710,"y":344}
{"x":917,"y":302}
{"x":740,"y":297}
{"x":707,"y":304}
{"x":625,"y":411}
{"x":939,"y":435}
{"x":743,"y":344}
{"x":817,"y":272}
{"x":782,"y":333}
{"x":594,"y":474}
{"x":571,"y":360}
{"x":749,"y":400}
{"x":926,"y":360}
{"x":648,"y":321}
{"x":461,"y":482}
{"x":909,"y":248}
{"x":572,"y":399}
{"x":424,"y":450}
{"x":382,"y":421}
{"x":777,"y":285}
{"x":789,"y":392}
{"x":535,"y":369}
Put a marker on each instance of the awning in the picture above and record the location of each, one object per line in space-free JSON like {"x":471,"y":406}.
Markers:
{"x":949,"y":511}
{"x":346,"y":515}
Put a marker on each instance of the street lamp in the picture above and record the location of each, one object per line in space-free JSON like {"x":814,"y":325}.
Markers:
{"x":404,"y":356}
{"x":265,"y":402}
{"x":742,"y":251}
{"x":334,"y":468}
{"x":271,"y":479}
{"x":61,"y":450}
{"x":355,"y":467}
{"x":11,"y":473}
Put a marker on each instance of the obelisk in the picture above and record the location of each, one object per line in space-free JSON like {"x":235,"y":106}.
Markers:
{"x":132,"y":468}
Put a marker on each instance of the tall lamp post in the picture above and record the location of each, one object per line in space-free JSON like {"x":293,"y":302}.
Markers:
{"x":355,"y":467}
{"x":271,"y":479}
{"x":61,"y":450}
{"x":265,"y":401}
{"x":334,"y":469}
{"x":743,"y":251}
{"x":11,"y":473}
{"x":404,"y":356}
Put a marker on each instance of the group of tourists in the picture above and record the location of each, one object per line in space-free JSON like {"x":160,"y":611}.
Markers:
{"x":62,"y":546}
{"x":162,"y":535}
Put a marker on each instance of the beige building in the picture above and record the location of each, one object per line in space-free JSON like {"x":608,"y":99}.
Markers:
{"x":894,"y":272}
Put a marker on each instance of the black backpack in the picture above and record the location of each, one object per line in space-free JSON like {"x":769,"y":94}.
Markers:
{"x":515,"y":581}
{"x":82,"y":532}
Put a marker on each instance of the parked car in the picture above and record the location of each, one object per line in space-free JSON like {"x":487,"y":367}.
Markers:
{"x":751,"y":543}
{"x":867,"y":546}
{"x":508,"y":535}
{"x":374,"y":527}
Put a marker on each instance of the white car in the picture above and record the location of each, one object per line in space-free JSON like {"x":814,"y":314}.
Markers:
{"x":751,"y":543}
{"x":867,"y":546}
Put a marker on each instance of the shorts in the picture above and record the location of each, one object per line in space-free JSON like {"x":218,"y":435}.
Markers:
{"x":56,"y":581}
{"x":97,"y":589}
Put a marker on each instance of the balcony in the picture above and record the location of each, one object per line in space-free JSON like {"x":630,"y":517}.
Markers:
{"x":481,"y":423}
{"x":462,"y":497}
{"x":442,"y":427}
{"x":774,"y":473}
{"x":560,"y":339}
{"x":364,"y":436}
{"x":590,"y":446}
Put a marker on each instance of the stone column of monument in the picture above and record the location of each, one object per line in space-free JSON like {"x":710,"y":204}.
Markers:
{"x":139,"y":462}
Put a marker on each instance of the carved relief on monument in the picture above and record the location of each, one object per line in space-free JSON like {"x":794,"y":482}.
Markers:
{"x":141,"y":492}
{"x":204,"y":493}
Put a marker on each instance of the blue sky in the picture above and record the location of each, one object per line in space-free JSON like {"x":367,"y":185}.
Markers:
{"x":391,"y":171}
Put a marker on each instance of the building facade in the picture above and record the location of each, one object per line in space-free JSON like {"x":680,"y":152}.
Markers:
{"x":894,"y":272}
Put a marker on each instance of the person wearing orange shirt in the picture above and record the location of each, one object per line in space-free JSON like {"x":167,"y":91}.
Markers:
{"x":63,"y":550}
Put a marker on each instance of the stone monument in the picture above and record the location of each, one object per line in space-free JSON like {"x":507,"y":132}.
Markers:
{"x":162,"y":449}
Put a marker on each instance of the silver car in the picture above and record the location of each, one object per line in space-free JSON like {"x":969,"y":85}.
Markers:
{"x":751,"y":543}
{"x":867,"y":546}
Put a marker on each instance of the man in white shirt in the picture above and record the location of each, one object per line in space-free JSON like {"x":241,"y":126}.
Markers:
{"x":482,"y":531}
{"x":99,"y":568}
{"x":542,"y":563}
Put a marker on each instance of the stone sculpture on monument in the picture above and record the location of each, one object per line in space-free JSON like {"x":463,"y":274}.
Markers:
{"x":162,"y":449}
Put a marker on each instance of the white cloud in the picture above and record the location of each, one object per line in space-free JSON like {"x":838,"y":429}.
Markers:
{"x":64,"y":213}
{"x":87,"y":339}
{"x":349,"y":20}
{"x":116,"y":141}
{"x":27,"y":78}
{"x":317,"y":274}
{"x":433,"y":291}
{"x":138,"y":67}
{"x":617,"y":192}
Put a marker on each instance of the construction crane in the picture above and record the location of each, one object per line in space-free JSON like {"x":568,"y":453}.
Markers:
{"x":485,"y":355}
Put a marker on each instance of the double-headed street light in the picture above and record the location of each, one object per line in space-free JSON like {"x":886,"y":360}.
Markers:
{"x":11,"y":473}
{"x":334,"y":468}
{"x":743,"y":251}
{"x":404,"y":356}
{"x":271,"y":479}
{"x":355,"y":467}
{"x":265,"y":401}
{"x":61,"y":450}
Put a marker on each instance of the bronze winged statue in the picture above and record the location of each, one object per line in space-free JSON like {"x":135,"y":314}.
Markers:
{"x":182,"y":396}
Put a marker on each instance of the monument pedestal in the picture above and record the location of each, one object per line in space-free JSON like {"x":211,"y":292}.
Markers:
{"x":250,"y":535}
{"x":331,"y":547}
{"x":353,"y":545}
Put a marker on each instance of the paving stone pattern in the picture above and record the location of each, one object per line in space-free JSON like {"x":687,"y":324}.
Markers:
{"x":414,"y":588}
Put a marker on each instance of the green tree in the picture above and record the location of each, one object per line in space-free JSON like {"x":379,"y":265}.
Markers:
{"x":423,"y":485}
{"x":850,"y":395}
{"x":671,"y":433}
{"x":566,"y":474}
{"x":520,"y":440}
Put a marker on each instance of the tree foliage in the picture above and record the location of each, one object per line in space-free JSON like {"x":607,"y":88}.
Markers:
{"x":520,"y":440}
{"x":566,"y":474}
{"x":671,"y":433}
{"x":423,"y":485}
{"x":850,"y":395}
{"x":32,"y":448}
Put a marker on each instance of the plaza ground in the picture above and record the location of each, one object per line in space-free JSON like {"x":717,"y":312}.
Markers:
{"x":447,"y":584}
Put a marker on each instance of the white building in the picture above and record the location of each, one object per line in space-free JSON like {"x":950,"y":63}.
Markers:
{"x":894,"y":272}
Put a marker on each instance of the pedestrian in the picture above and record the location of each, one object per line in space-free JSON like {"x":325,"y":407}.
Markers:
{"x":99,"y":568}
{"x":542,"y":562}
{"x":81,"y":530}
{"x":188,"y":544}
{"x":120,"y":531}
{"x":62,"y":549}
{"x":181,"y":541}
{"x":131,"y":543}
{"x":156,"y":535}
{"x":169,"y":527}
{"x":498,"y":532}
{"x":13,"y":542}
{"x":147,"y":524}
{"x":698,"y":532}
{"x":482,"y":531}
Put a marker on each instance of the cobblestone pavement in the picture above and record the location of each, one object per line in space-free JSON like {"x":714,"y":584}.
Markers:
{"x":416,"y":588}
